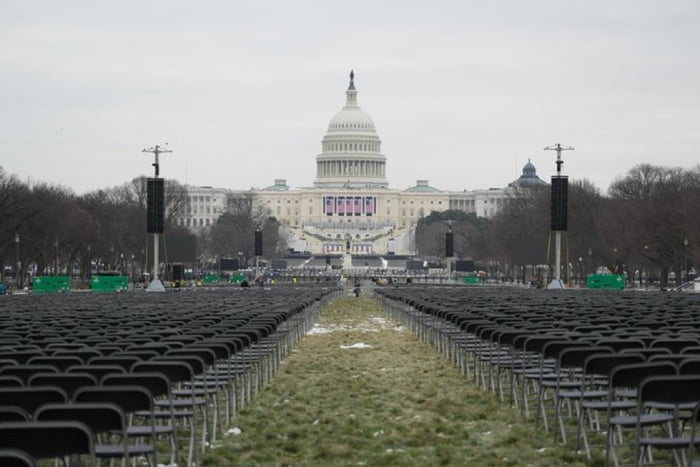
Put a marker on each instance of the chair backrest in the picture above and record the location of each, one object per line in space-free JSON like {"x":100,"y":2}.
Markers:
{"x":603,"y":364}
{"x":24,"y":372}
{"x":156,"y":383}
{"x":20,"y":356}
{"x":10,"y":381}
{"x":101,"y":417}
{"x":176,"y":372}
{"x":575,"y":357}
{"x":690,"y":366}
{"x":670,"y":389}
{"x":128,"y":398}
{"x":194,"y":361}
{"x":208,"y":356}
{"x":11,"y":413}
{"x":30,"y":398}
{"x":16,"y":458}
{"x":675,"y":345}
{"x":69,"y":382}
{"x":98,"y":371}
{"x":8,"y":362}
{"x":621,"y":344}
{"x":125,"y":361}
{"x":631,"y":375}
{"x":43,"y":440}
{"x":59,"y":362}
{"x":84,"y":354}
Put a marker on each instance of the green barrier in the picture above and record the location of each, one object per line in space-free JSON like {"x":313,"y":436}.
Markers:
{"x":606,"y":281}
{"x":109,"y":283}
{"x":212,"y":278}
{"x":471,"y":280}
{"x":237,"y":279}
{"x":51,"y":284}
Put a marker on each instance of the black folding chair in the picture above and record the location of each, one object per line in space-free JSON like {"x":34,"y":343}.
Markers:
{"x":674,"y":395}
{"x":69,"y":382}
{"x":30,"y":398}
{"x":179,"y":373}
{"x":24,"y":372}
{"x":16,"y":458}
{"x":102,"y":418}
{"x":131,"y":399}
{"x":47,"y":440}
{"x":159,"y":387}
{"x":623,"y":383}
{"x":11,"y":413}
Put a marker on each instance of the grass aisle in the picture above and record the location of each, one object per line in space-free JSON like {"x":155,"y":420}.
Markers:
{"x":387,"y":400}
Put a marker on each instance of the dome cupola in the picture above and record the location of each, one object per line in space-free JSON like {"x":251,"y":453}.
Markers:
{"x":351,"y":149}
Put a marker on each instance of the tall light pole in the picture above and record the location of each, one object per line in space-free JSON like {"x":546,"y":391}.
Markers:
{"x":56,"y":245}
{"x":18,"y":274}
{"x":685,"y":254}
{"x":89,"y":262}
{"x":559,"y":212}
{"x":155,"y":209}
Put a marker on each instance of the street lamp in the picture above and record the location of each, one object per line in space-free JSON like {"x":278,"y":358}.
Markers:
{"x":590,"y":259}
{"x":685,"y":254}
{"x":121,"y":260}
{"x":615,"y":271}
{"x":18,"y":275}
{"x":56,"y":245}
{"x":646,"y":256}
{"x":89,"y":262}
{"x":580,"y":270}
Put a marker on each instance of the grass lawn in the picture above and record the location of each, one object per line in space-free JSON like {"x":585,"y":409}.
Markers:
{"x":389,"y":399}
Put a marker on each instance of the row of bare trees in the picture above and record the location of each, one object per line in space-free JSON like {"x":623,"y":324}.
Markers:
{"x":646,"y":225}
{"x":48,"y":228}
{"x":233,"y":235}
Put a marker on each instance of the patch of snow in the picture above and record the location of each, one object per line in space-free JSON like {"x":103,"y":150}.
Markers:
{"x":486,"y":433}
{"x":319,"y":330}
{"x":357,"y":345}
{"x":541,"y":450}
{"x":377,"y":433}
{"x":167,"y":465}
{"x":315,"y":422}
{"x":235,"y":431}
{"x":389,"y":451}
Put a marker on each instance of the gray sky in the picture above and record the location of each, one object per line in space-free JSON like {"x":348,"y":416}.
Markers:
{"x":462,"y":92}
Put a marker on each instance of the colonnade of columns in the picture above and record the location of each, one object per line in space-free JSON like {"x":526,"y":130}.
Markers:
{"x":354,"y":168}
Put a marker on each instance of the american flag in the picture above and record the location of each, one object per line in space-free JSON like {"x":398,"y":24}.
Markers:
{"x":369,"y":205}
{"x":328,"y":205}
{"x":341,"y":205}
{"x":358,"y":206}
{"x":348,"y":205}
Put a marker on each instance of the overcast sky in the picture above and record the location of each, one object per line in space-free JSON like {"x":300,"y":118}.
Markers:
{"x":462,"y":92}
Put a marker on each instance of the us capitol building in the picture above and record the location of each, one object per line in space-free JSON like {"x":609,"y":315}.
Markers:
{"x":350,"y":208}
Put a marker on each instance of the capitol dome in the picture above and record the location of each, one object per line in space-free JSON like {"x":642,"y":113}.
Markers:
{"x":351,"y":149}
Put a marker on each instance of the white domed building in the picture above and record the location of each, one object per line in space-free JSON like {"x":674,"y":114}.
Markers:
{"x":350,"y":207}
{"x":351,"y":149}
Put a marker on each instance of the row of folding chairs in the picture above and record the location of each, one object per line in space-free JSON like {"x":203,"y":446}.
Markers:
{"x":197,"y":374}
{"x":543,"y":369}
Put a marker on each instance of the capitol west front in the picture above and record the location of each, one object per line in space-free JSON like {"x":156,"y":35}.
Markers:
{"x":350,"y":205}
